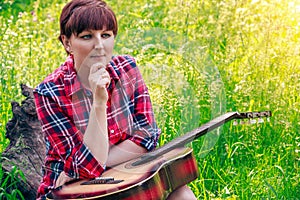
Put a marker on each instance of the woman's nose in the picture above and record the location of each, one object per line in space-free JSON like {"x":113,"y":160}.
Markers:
{"x":99,"y":43}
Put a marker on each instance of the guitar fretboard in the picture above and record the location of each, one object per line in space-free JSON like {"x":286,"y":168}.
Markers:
{"x":187,"y":138}
{"x":196,"y":133}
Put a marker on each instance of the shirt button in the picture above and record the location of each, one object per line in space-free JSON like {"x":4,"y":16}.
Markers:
{"x":112,"y":131}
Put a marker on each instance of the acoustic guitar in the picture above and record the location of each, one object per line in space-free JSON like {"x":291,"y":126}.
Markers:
{"x":153,"y":175}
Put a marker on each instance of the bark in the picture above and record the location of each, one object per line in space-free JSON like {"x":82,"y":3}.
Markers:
{"x":26,"y":150}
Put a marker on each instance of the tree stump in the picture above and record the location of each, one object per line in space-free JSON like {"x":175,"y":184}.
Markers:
{"x":26,"y":150}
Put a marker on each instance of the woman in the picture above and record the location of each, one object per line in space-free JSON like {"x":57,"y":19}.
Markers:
{"x":95,"y":109}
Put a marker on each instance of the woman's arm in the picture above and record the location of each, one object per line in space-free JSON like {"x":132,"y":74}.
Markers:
{"x":143,"y":133}
{"x":95,"y":136}
{"x":66,"y":149}
{"x":123,"y":152}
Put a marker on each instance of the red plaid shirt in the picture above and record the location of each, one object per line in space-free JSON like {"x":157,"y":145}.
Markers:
{"x":63,"y":106}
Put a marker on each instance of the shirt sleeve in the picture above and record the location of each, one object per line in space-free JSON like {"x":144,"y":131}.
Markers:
{"x":145,"y":132}
{"x":65,"y":141}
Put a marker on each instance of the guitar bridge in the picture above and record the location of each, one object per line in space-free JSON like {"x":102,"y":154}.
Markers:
{"x":101,"y":180}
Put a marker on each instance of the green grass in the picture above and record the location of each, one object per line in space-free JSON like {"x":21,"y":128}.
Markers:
{"x":200,"y":59}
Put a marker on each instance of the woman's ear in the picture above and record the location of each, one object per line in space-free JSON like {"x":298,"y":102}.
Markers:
{"x":67,"y":44}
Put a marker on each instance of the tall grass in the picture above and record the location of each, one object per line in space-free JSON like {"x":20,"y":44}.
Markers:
{"x":199,"y":59}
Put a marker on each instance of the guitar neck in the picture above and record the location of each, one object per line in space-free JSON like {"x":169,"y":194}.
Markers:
{"x":188,"y":137}
{"x":198,"y":132}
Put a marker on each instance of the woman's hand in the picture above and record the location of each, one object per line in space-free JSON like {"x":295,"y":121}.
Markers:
{"x":99,"y":80}
{"x":96,"y":135}
{"x":62,"y":179}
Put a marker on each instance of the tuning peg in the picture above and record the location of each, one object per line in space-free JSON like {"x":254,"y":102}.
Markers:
{"x":242,"y":122}
{"x":260,"y":120}
{"x":252,"y":121}
{"x":235,"y":122}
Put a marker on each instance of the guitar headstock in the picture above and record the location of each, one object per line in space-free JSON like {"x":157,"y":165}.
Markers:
{"x":253,"y":116}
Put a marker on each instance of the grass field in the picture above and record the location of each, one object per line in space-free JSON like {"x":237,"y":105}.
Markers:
{"x":200,"y":59}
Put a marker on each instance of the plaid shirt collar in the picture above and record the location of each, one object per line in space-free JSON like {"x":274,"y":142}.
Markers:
{"x":72,"y":83}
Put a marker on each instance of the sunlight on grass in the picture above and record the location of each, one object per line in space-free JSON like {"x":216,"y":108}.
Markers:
{"x":199,"y":59}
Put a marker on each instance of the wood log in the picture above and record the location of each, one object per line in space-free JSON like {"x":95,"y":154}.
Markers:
{"x":26,"y":149}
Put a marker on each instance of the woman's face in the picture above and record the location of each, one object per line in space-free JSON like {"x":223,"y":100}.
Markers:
{"x":90,"y":47}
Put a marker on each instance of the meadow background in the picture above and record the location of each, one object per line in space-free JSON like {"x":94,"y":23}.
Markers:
{"x":200,"y":59}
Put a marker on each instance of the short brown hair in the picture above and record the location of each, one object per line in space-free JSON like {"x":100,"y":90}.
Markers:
{"x":80,"y":15}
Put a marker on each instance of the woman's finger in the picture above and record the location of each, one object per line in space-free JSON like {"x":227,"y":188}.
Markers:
{"x":96,"y":67}
{"x":104,"y":81}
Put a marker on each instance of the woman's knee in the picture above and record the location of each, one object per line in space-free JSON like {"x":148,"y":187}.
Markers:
{"x":182,"y":193}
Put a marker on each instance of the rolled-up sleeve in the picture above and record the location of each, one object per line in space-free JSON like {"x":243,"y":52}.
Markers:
{"x":145,"y":131}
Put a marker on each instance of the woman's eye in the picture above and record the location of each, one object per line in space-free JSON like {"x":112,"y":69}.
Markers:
{"x":87,"y":36}
{"x":106,"y":35}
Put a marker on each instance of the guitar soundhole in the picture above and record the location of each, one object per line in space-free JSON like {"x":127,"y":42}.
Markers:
{"x":101,"y":180}
{"x":132,"y":164}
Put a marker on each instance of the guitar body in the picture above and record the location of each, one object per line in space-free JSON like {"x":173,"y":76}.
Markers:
{"x":154,"y":175}
{"x":151,"y":180}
